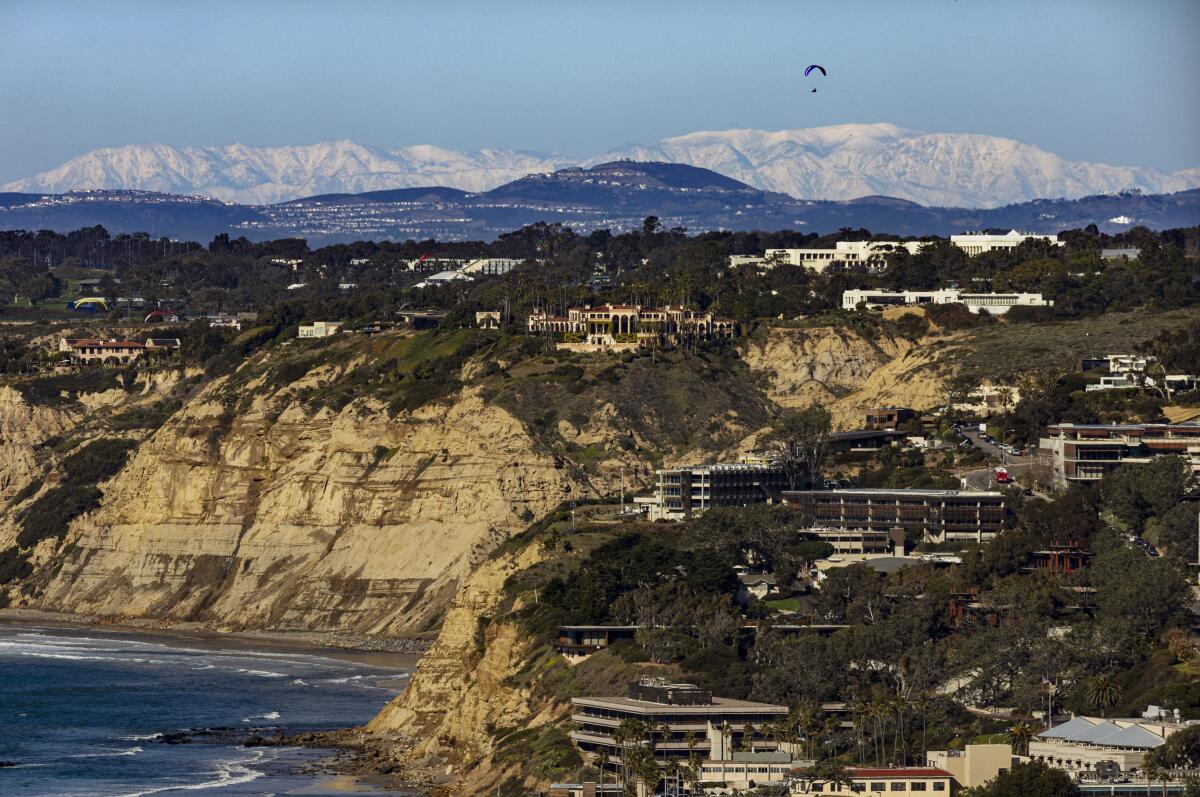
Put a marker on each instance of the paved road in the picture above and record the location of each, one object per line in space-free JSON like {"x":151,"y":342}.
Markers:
{"x":985,"y":478}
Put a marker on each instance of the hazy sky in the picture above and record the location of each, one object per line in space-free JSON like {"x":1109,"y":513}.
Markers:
{"x":1116,"y":81}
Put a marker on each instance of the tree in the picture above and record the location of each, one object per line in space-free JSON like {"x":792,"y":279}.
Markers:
{"x":798,"y":442}
{"x":1034,"y":779}
{"x":1102,"y":693}
{"x":1021,"y":735}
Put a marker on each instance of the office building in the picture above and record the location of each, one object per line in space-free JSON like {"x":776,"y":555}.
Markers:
{"x":1080,"y":453}
{"x":936,"y":515}
{"x":683,"y":492}
{"x":993,"y":303}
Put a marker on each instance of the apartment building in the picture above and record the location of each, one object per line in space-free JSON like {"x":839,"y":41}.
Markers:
{"x":872,"y":254}
{"x":88,"y":350}
{"x":689,"y":714}
{"x":682,"y":492}
{"x":318,"y":329}
{"x":865,"y":780}
{"x":975,"y":764}
{"x":993,"y":303}
{"x":976,"y":243}
{"x":938,"y":515}
{"x":887,"y":418}
{"x":1080,"y":453}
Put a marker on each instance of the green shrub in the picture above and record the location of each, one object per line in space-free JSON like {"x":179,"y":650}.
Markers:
{"x":14,"y":565}
{"x":151,"y":417}
{"x":28,"y":491}
{"x":50,"y":514}
{"x":96,"y":461}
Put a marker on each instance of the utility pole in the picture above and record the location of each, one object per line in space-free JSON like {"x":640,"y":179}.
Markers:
{"x":622,"y":488}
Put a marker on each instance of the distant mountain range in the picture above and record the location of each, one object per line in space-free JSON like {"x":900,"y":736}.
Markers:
{"x":840,"y":162}
{"x":617,"y":195}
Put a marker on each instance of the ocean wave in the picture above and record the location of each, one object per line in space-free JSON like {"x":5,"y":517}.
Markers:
{"x":228,"y":773}
{"x":262,"y":673}
{"x":270,"y":715}
{"x":108,"y":753}
{"x":140,"y":738}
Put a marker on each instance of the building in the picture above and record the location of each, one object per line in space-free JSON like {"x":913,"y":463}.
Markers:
{"x":862,"y":542}
{"x":872,"y":254}
{"x":225,"y":322}
{"x":318,"y":329}
{"x":687,"y":712}
{"x":975,"y":764}
{"x":863,"y":441}
{"x":162,"y":344}
{"x":993,"y":303}
{"x":587,"y":790}
{"x":89,"y":350}
{"x":162,"y":317}
{"x":936,"y":515}
{"x":577,"y":642}
{"x":629,"y":326}
{"x":976,"y":243}
{"x":491,"y":266}
{"x":887,"y":418}
{"x":680,"y":493}
{"x":443,"y":278}
{"x":488,"y":319}
{"x":864,"y":780}
{"x":988,"y":399}
{"x":1080,"y":453}
{"x":1121,"y":253}
{"x":733,"y":773}
{"x":755,"y":585}
{"x":1082,"y":743}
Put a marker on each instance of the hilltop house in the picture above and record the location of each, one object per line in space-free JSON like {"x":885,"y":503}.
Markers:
{"x":318,"y":329}
{"x":628,"y":327}
{"x":872,"y":254}
{"x":993,"y":303}
{"x":88,"y":350}
{"x":976,"y":243}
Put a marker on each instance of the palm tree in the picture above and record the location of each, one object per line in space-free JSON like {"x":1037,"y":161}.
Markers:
{"x":1102,"y":693}
{"x":748,"y":731}
{"x":1021,"y":735}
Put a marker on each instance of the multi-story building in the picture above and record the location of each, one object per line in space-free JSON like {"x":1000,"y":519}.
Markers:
{"x":938,"y":515}
{"x":1086,"y":452}
{"x":682,"y":492}
{"x":1079,"y":744}
{"x":318,"y":329}
{"x":887,"y":418}
{"x":993,"y":303}
{"x":975,"y":764}
{"x":87,"y":350}
{"x":976,"y":243}
{"x":1121,"y":253}
{"x":861,"y":542}
{"x":608,"y":325}
{"x":864,"y":780}
{"x":872,"y":254}
{"x":690,"y":716}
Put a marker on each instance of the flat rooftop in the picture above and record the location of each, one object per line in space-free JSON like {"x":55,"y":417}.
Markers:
{"x":719,"y":704}
{"x":899,"y":491}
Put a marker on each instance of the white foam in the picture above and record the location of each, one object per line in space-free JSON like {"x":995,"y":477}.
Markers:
{"x":108,"y":753}
{"x":270,"y":715}
{"x":141,"y":738}
{"x":262,"y":673}
{"x":228,"y":773}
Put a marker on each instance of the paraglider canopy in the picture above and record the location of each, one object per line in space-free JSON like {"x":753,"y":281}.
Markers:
{"x":815,"y":66}
{"x":90,"y":304}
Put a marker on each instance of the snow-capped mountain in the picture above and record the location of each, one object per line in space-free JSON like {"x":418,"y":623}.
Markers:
{"x":838,"y":162}
{"x":261,"y":175}
{"x":854,"y":160}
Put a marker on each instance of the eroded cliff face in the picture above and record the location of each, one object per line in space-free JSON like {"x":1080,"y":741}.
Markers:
{"x":847,"y":372}
{"x":289,"y":518}
{"x":23,"y":428}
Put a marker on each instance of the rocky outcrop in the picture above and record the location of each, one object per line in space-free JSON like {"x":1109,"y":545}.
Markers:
{"x":847,"y":372}
{"x":300,"y":518}
{"x":23,"y":427}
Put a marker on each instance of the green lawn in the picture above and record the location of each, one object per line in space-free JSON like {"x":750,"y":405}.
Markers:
{"x":784,"y":604}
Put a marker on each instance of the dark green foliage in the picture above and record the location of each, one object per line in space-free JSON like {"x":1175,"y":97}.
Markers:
{"x":147,"y":417}
{"x":1034,"y":779}
{"x":28,"y":491}
{"x":1137,"y":491}
{"x":545,"y":751}
{"x":96,"y":461}
{"x":50,"y":514}
{"x":61,"y":388}
{"x":14,"y":565}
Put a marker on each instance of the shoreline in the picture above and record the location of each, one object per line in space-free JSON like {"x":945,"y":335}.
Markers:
{"x":342,"y":760}
{"x":381,"y":653}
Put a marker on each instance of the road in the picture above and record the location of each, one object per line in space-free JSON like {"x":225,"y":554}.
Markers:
{"x":985,"y":478}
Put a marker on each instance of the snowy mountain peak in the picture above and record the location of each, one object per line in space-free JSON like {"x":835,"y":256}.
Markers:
{"x":836,"y":162}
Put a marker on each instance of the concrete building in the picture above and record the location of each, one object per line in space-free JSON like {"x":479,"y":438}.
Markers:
{"x":988,"y":399}
{"x":686,"y":711}
{"x":862,"y":542}
{"x":577,"y":642}
{"x":1080,"y":453}
{"x":993,"y":303}
{"x":491,"y":266}
{"x":975,"y":764}
{"x":488,"y":319}
{"x":1121,"y":253}
{"x":872,"y":254}
{"x":680,"y":493}
{"x":1082,"y":743}
{"x":977,"y":243}
{"x":587,"y":790}
{"x":318,"y":329}
{"x":887,"y":418}
{"x":735,"y":773}
{"x":443,"y":278}
{"x":937,"y":515}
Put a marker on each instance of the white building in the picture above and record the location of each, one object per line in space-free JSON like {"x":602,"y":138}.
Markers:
{"x":491,"y":265}
{"x":869,"y":253}
{"x":1083,"y":742}
{"x":994,"y":303}
{"x":443,"y":278}
{"x":318,"y":329}
{"x":978,"y":243}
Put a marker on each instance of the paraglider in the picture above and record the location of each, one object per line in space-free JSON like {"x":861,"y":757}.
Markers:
{"x":808,"y":71}
{"x":90,"y":304}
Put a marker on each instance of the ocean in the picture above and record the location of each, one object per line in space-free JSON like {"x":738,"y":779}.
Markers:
{"x":83,"y":713}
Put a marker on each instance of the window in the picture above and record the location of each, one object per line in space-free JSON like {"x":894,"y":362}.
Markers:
{"x":939,"y":786}
{"x":897,"y":786}
{"x":878,"y":787}
{"x":917,"y":786}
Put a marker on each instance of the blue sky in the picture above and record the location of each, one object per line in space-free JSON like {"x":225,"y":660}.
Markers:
{"x":1105,"y":80}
